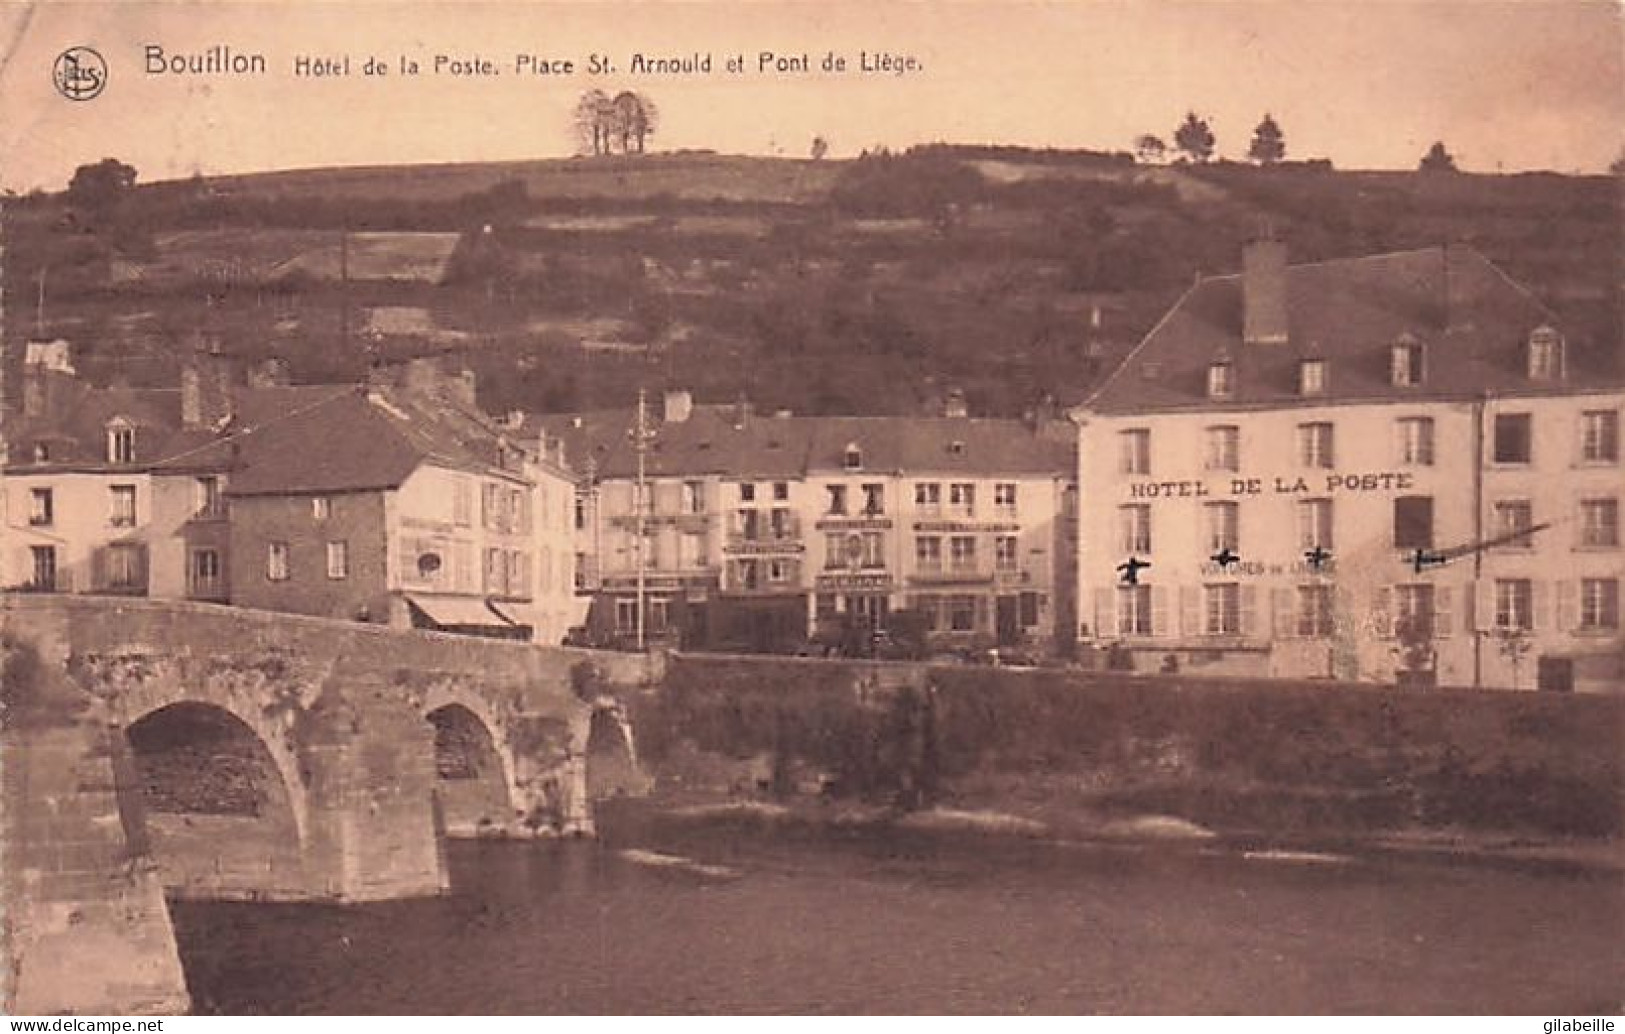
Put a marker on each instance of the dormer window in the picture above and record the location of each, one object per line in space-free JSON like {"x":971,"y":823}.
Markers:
{"x":1221,"y":379}
{"x":956,"y":447}
{"x":1545,"y":355}
{"x":1312,"y":377}
{"x":853,"y":459}
{"x":120,"y":442}
{"x":42,"y":452}
{"x":1408,"y":363}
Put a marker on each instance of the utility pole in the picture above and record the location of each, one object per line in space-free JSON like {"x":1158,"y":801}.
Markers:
{"x":641,"y":434}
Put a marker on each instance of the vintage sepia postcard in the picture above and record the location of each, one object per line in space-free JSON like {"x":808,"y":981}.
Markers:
{"x":740,"y":508}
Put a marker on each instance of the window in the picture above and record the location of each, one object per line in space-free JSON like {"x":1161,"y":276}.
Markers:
{"x":120,"y":442}
{"x":1312,"y":377}
{"x":43,"y":575}
{"x":1599,"y":604}
{"x":321,"y":507}
{"x":852,"y":459}
{"x":1134,"y":451}
{"x":1315,"y":524}
{"x":581,"y":511}
{"x":962,"y":499}
{"x":276,"y":561}
{"x":1512,"y":438}
{"x":874,"y":500}
{"x":1221,"y":380}
{"x":658,"y":617}
{"x":962,"y":552}
{"x":1599,"y":436}
{"x":1599,"y":522}
{"x":873,"y":549}
{"x":1314,"y":611}
{"x":691,"y":550}
{"x":928,"y":497}
{"x":693,"y":497}
{"x":1223,"y":448}
{"x":1513,"y":519}
{"x":204,"y":573}
{"x":1134,"y":610}
{"x":1545,"y":354}
{"x":783,"y":523}
{"x":837,"y":499}
{"x":1414,"y":618}
{"x":1407,"y":363}
{"x":496,"y":572}
{"x":626,"y":616}
{"x":747,"y":574}
{"x":1416,"y":441}
{"x":781,"y":491}
{"x":834,"y":550}
{"x":206,"y":498}
{"x":1134,"y":522}
{"x":1413,"y":522}
{"x":41,"y":507}
{"x":962,"y":613}
{"x":747,"y":492}
{"x":121,"y":499}
{"x":123,"y":567}
{"x":1005,"y":554}
{"x":1315,"y":445}
{"x":1004,"y":497}
{"x":749,"y":525}
{"x":338,"y":559}
{"x":42,"y":452}
{"x":1223,"y":526}
{"x":462,"y":505}
{"x":928,"y":554}
{"x":1223,"y":609}
{"x":1514,"y":604}
{"x":779,"y":570}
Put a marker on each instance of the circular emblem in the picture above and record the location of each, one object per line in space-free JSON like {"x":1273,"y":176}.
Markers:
{"x":79,"y":74}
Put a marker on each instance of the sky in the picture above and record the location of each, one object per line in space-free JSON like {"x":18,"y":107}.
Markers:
{"x":1507,"y":86}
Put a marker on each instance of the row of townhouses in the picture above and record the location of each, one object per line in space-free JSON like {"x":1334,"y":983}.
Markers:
{"x":394,"y":501}
{"x":1395,"y":468}
{"x":760,"y":531}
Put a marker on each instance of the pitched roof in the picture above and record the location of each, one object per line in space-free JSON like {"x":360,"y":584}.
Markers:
{"x":1472,"y":319}
{"x":358,"y":439}
{"x":716,"y":439}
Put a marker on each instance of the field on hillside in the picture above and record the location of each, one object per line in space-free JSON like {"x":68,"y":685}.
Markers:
{"x":866,"y":286}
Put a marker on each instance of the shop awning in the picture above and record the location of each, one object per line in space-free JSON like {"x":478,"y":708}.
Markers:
{"x":460,"y":612}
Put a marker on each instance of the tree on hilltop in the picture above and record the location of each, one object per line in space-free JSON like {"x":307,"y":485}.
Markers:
{"x":1269,"y":143}
{"x":606,"y":125}
{"x":1195,"y":138}
{"x":1150,"y":150}
{"x":1437,"y":159}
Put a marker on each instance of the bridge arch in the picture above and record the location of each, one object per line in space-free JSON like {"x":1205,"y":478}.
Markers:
{"x":219,"y":814}
{"x":476,"y":775}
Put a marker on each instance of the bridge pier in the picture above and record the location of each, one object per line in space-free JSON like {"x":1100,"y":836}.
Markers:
{"x":86,"y":927}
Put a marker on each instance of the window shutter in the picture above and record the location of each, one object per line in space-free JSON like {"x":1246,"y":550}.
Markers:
{"x":1159,"y":611}
{"x":1539,"y":600}
{"x":1249,"y":611}
{"x":1190,"y":611}
{"x":1281,"y":615}
{"x":1382,"y":613}
{"x":1443,"y":611}
{"x":1568,"y":598}
{"x":1105,"y":625}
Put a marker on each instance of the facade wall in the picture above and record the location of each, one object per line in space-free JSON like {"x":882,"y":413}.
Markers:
{"x":81,"y":525}
{"x":357,"y":519}
{"x":1272,"y":612}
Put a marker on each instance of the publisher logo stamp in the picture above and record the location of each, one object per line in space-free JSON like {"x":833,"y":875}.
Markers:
{"x":80,"y":74}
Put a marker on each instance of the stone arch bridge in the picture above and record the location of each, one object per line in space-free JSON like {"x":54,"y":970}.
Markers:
{"x":218,"y":752}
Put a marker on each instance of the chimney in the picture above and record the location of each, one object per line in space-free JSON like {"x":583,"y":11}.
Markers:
{"x":1263,"y":292}
{"x":206,"y":388}
{"x":955,"y":405}
{"x":677,"y":407}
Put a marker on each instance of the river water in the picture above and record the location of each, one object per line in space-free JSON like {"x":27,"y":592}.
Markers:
{"x":858,"y":922}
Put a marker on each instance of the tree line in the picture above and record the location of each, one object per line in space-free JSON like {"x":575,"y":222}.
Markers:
{"x":1194,"y":141}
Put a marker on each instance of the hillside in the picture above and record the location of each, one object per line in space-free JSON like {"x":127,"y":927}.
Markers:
{"x":867,"y":286}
